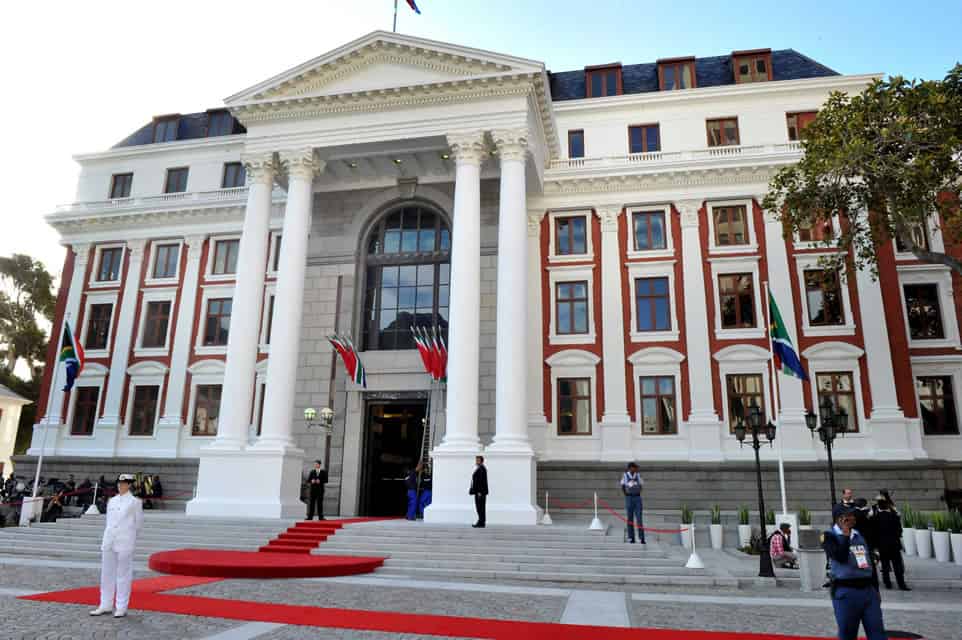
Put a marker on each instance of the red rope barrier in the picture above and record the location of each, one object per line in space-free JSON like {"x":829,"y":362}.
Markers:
{"x":588,"y":503}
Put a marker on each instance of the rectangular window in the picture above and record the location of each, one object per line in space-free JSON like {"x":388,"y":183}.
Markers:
{"x":722,"y":132}
{"x":644,"y":138}
{"x":653,"y":300}
{"x":744,"y":390}
{"x":919,"y":237}
{"x":110,"y":261}
{"x":576,"y":144}
{"x":120,"y":185}
{"x":165,"y":261}
{"x":571,"y":235}
{"x":156,"y":320}
{"x":571,"y":307}
{"x":676,"y":74}
{"x":176,"y":180}
{"x":924,"y":311}
{"x":736,"y":292}
{"x":98,"y":326}
{"x":166,"y":130}
{"x":658,"y":415}
{"x":731,"y":225}
{"x":206,"y":410}
{"x":601,"y":82}
{"x":815,"y":231}
{"x":754,"y":67}
{"x":277,"y":252}
{"x":797,"y":123}
{"x":85,"y":411}
{"x":838,"y":388}
{"x":217,"y":322}
{"x":219,"y":123}
{"x":144,"y":414}
{"x":937,"y":401}
{"x":574,"y":406}
{"x":225,"y":257}
{"x":270,"y":320}
{"x":650,"y":231}
{"x":823,"y":292}
{"x":234,"y":175}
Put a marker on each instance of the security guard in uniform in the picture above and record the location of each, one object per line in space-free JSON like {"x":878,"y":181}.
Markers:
{"x":855,"y":595}
{"x":125,"y":518}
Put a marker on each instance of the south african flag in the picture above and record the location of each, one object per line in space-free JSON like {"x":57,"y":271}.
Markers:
{"x":72,"y":355}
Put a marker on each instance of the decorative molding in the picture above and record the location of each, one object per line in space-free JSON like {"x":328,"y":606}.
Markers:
{"x":689,"y":212}
{"x":655,"y":356}
{"x":535,"y":216}
{"x":608,"y":214}
{"x":195,"y":245}
{"x":741,"y":353}
{"x":608,"y":181}
{"x":833,"y":351}
{"x":261,"y":168}
{"x":301,"y":163}
{"x":467,"y":147}
{"x":573,"y":358}
{"x":512,"y":144}
{"x":136,"y":248}
{"x":82,"y":252}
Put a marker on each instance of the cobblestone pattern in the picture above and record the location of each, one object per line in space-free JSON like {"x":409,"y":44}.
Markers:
{"x":15,"y":576}
{"x":314,"y":633}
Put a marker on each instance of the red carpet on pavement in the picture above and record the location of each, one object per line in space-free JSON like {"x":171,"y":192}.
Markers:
{"x":146,"y":597}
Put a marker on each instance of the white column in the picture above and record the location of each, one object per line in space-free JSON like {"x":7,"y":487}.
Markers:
{"x":704,"y":428}
{"x":238,"y":388}
{"x":172,"y":421}
{"x":796,"y":441}
{"x":537,"y":423}
{"x":453,"y":459}
{"x":105,"y":433}
{"x":616,"y":423}
{"x":53,"y":420}
{"x":510,"y":456}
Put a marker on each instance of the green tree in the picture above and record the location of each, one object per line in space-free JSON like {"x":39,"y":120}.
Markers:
{"x":26,"y":297}
{"x":885,"y":161}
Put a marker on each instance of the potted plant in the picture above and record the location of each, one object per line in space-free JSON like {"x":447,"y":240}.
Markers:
{"x":744,"y":529}
{"x":940,"y":536}
{"x":804,"y":518}
{"x":770,"y":518}
{"x":923,"y":537}
{"x":955,"y":537}
{"x":716,"y":528}
{"x":908,"y":532}
{"x":687,"y":523}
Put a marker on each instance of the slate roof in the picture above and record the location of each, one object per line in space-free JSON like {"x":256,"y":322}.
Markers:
{"x":191,"y":126}
{"x":787,"y":64}
{"x":7,"y":394}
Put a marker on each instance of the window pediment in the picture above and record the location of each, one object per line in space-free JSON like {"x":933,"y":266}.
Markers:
{"x":656,"y":355}
{"x":573,"y":358}
{"x":741,"y":353}
{"x":833,"y":351}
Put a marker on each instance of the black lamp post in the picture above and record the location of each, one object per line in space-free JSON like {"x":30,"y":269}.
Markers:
{"x":833,"y":423}
{"x":755,"y":417}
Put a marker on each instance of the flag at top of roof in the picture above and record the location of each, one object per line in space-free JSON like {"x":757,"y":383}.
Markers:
{"x":782,"y":350}
{"x":414,"y":6}
{"x":72,"y":355}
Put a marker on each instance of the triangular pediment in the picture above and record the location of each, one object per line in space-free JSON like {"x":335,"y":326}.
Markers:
{"x":383,"y":61}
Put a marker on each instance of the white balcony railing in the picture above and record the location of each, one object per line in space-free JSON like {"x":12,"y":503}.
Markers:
{"x":166,"y":200}
{"x":654,"y":158}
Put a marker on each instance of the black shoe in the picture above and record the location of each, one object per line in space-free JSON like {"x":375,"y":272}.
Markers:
{"x":888,"y":585}
{"x":632,"y":541}
{"x":478,"y":525}
{"x":904,"y":587}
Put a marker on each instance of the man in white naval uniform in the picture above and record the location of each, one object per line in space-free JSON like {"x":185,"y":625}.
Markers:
{"x":125,"y":517}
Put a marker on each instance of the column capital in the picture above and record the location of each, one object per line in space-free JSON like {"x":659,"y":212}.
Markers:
{"x":82,"y":251}
{"x":136,"y":247}
{"x":261,"y":167}
{"x":467,"y":147}
{"x":534,"y":221}
{"x":194,"y":244}
{"x":608,"y":214}
{"x":301,"y":163}
{"x":512,"y":144}
{"x":689,"y":212}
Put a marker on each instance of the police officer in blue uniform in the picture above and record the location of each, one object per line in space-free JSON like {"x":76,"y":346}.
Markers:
{"x":855,"y":595}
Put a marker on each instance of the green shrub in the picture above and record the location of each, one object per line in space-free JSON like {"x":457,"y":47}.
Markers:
{"x":922,"y":519}
{"x":955,"y":521}
{"x":770,"y":517}
{"x":686,"y":514}
{"x":940,"y":521}
{"x":743,"y":514}
{"x":908,"y":517}
{"x":716,"y":515}
{"x":804,"y":516}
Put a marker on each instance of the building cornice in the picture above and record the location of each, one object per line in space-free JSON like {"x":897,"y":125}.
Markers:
{"x":164,"y":147}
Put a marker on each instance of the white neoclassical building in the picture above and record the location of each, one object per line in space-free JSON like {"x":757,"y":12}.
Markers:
{"x":591,"y":244}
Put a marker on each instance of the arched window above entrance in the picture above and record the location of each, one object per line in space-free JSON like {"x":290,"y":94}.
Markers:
{"x":407,"y":279}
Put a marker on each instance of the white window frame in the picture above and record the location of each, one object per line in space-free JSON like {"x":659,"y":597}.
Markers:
{"x":809,"y":262}
{"x":838,"y":357}
{"x":941,"y":277}
{"x":817,"y":244}
{"x":948,"y":365}
{"x":669,"y":249}
{"x":209,"y":275}
{"x":658,"y":361}
{"x":94,"y":374}
{"x":272,"y":252}
{"x":144,"y":374}
{"x":589,"y":228}
{"x":653,"y":269}
{"x":211,"y":292}
{"x":270,"y":290}
{"x":99,"y":298}
{"x":749,"y":205}
{"x":741,"y":264}
{"x":571,"y":273}
{"x":933,"y":233}
{"x":743,"y":359}
{"x":166,"y":294}
{"x":154,"y":244}
{"x":93,"y":283}
{"x":574,"y":363}
{"x":202,"y":373}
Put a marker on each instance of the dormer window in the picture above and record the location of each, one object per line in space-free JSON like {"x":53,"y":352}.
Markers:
{"x":603,"y":80}
{"x":752,"y":66}
{"x":219,"y":123}
{"x":165,"y":128}
{"x":676,"y":73}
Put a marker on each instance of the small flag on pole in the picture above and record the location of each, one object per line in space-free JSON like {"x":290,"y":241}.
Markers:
{"x":782,"y":350}
{"x":442,"y":356}
{"x":424,"y":350}
{"x":352,"y":361}
{"x":414,"y":6}
{"x":72,"y":355}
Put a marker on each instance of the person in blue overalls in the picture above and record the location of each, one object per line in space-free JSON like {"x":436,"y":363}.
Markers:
{"x":631,"y":484}
{"x":855,"y":595}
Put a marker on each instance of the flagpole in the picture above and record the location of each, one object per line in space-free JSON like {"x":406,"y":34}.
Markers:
{"x":777,"y":408}
{"x":46,"y":426}
{"x":394,"y":28}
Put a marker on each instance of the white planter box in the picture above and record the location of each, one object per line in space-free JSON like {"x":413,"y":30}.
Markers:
{"x":686,"y":536}
{"x":940,"y":542}
{"x":956,"y":542}
{"x":908,"y":541}
{"x":923,"y":543}
{"x":716,"y":533}
{"x":744,"y":535}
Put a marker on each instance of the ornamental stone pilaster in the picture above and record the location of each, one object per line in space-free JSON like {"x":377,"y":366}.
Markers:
{"x":537,"y":423}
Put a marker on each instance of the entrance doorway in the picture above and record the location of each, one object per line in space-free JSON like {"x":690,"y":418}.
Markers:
{"x":392,"y":446}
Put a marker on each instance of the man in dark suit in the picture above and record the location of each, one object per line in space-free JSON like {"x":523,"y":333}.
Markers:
{"x":479,"y":489}
{"x":316,"y":480}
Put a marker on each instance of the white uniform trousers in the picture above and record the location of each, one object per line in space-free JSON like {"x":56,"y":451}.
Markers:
{"x":116,"y":575}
